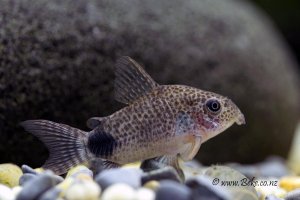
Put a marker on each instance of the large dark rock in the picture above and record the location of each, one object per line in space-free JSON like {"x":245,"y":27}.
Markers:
{"x":57,"y":57}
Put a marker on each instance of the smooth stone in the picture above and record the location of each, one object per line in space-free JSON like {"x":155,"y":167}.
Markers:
{"x":93,"y":189}
{"x":173,"y":190}
{"x":294,"y":155}
{"x":28,"y":169}
{"x":65,"y":185}
{"x":145,"y":194}
{"x":6,"y":193}
{"x":37,"y":186}
{"x":109,"y":177}
{"x":119,"y":191}
{"x":10,"y":174}
{"x":223,"y":173}
{"x":75,"y":192}
{"x":192,"y":168}
{"x":293,"y":195}
{"x":40,"y":170}
{"x":57,"y":178}
{"x":132,"y":165}
{"x":290,"y":183}
{"x":272,"y":197}
{"x":80,"y":169}
{"x":202,"y":188}
{"x":273,"y":166}
{"x":83,"y":177}
{"x":265,"y":191}
{"x":166,"y":173}
{"x":16,"y":190}
{"x":153,"y":185}
{"x":50,"y":194}
{"x":25,"y":178}
{"x":83,"y":190}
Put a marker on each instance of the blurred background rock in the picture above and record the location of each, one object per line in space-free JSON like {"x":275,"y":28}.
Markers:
{"x":57,"y":57}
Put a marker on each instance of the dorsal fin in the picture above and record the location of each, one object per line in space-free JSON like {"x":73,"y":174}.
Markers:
{"x":93,"y":122}
{"x":132,"y":81}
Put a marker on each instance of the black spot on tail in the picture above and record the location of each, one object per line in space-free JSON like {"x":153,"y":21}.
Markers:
{"x":101,"y":144}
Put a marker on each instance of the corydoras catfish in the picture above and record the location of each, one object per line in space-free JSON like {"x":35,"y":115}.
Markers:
{"x":160,"y":122}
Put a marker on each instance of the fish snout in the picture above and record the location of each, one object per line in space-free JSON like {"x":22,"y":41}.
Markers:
{"x":240,"y":120}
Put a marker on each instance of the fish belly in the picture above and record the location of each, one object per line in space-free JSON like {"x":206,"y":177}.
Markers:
{"x":141,"y":149}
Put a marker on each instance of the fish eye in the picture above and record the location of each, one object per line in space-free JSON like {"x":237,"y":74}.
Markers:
{"x":213,"y":105}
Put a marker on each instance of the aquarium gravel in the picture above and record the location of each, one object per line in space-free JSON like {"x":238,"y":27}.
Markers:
{"x":130,"y":183}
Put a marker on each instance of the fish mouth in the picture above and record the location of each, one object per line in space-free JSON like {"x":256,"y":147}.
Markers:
{"x":240,"y":119}
{"x":197,"y":135}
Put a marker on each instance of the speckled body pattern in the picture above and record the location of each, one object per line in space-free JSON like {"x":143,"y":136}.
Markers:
{"x":147,"y":128}
{"x":160,"y":123}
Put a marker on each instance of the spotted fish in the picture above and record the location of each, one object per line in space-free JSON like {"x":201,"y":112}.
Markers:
{"x":160,"y":123}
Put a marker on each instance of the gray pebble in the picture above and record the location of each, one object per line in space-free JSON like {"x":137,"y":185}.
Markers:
{"x":26,"y":169}
{"x":130,"y":177}
{"x":37,"y":186}
{"x":272,"y":197}
{"x":57,"y":178}
{"x":168,"y":173}
{"x":202,"y":188}
{"x":25,"y":178}
{"x":272,"y":167}
{"x":293,"y":195}
{"x":83,"y":171}
{"x":172,"y":190}
{"x":50,"y":194}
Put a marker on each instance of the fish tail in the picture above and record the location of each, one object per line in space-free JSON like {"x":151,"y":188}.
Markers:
{"x":66,"y":144}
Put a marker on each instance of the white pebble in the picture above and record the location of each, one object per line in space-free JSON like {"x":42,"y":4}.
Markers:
{"x":86,"y":190}
{"x":145,"y":194}
{"x":16,"y":190}
{"x":93,"y":190}
{"x":119,"y":191}
{"x":6,"y":193}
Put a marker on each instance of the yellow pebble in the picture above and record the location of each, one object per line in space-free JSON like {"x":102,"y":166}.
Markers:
{"x":76,"y":169}
{"x":65,"y":185}
{"x":84,"y":177}
{"x":10,"y":174}
{"x":264,"y":191}
{"x":294,"y":155}
{"x":132,"y":165}
{"x":39,"y":170}
{"x":153,"y":185}
{"x":290,"y":182}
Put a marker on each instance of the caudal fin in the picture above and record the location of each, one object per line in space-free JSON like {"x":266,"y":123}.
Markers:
{"x":66,"y":144}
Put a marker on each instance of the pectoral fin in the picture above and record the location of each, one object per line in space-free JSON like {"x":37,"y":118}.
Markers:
{"x":161,"y":162}
{"x":97,"y":165}
{"x":186,"y":128}
{"x":190,"y":150}
{"x":109,"y":164}
{"x":132,"y":81}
